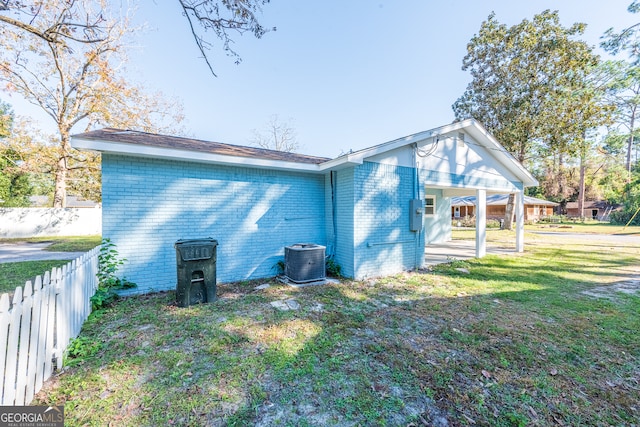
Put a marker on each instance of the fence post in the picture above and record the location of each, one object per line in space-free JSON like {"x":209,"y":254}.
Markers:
{"x":39,"y":362}
{"x":5,"y":318}
{"x":9,"y":388}
{"x":34,"y":340}
{"x":23,"y":345}
{"x":62,"y":308}
{"x":51,"y":321}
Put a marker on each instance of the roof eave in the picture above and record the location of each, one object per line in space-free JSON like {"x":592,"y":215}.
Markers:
{"x":473,"y":126}
{"x":187,"y":155}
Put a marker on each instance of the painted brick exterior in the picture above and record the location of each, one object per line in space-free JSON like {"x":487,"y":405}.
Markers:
{"x":374,"y":239}
{"x":344,"y":196}
{"x":361,"y":212}
{"x":149,"y":204}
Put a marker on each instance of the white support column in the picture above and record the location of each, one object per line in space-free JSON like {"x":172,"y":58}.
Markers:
{"x":519,"y":221}
{"x":481,"y":223}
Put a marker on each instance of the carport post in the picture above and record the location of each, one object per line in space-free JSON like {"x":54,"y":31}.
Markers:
{"x":519,"y":221}
{"x":481,"y":223}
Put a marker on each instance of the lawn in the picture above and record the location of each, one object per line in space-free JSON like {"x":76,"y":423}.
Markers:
{"x":495,"y":235}
{"x":14,"y":274}
{"x":62,"y":243}
{"x":585,"y":227}
{"x":540,"y":338}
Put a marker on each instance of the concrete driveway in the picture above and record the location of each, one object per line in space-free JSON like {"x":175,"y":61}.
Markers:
{"x":439,"y":253}
{"x":26,"y":251}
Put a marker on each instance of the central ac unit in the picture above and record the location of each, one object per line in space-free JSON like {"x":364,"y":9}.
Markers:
{"x":304,"y":262}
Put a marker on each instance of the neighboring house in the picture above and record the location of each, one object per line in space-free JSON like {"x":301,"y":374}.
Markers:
{"x":534,"y":208}
{"x":375,"y":209}
{"x":596,"y":209}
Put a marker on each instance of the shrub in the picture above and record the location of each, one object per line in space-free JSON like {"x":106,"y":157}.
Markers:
{"x":108,"y":281}
{"x":333,"y":268}
{"x":493,"y":223}
{"x":552,"y":219}
{"x":467,"y":221}
{"x":623,"y":217}
{"x":470,"y":221}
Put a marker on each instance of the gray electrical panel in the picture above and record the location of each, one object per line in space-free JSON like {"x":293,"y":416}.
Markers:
{"x":416,"y":213}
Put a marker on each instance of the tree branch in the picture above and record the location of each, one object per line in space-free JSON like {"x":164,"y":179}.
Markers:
{"x":198,"y":39}
{"x":209,"y":15}
{"x":60,"y":30}
{"x":28,"y":28}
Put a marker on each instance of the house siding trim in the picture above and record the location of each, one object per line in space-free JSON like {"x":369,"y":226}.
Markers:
{"x":452,"y":180}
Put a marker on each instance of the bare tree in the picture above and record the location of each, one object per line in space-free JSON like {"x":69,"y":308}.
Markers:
{"x":277,"y":135}
{"x":76,"y":81}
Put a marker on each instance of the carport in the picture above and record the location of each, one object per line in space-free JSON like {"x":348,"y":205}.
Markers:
{"x":463,"y":159}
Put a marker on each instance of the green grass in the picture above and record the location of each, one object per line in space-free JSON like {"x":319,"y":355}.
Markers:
{"x":513,"y":342}
{"x":62,"y":243}
{"x":589,"y":227}
{"x":14,"y":274}
{"x":75,"y":243}
{"x":585,"y":227}
{"x":507,"y":237}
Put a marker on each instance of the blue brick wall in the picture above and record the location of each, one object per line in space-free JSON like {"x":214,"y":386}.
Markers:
{"x":383,"y":242}
{"x":344,"y":196}
{"x":149,"y":204}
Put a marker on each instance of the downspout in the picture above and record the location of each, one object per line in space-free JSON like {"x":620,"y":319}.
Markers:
{"x":334,"y":212}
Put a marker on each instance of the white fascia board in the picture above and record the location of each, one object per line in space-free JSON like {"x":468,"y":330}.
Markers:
{"x":192,"y":156}
{"x":340,"y":162}
{"x":452,"y":127}
{"x":358,"y":157}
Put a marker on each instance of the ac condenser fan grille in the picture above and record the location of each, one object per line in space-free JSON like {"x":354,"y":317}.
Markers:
{"x":304,"y":262}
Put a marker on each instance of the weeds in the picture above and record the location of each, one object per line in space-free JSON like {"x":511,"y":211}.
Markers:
{"x":108,"y":281}
{"x":513,"y":342}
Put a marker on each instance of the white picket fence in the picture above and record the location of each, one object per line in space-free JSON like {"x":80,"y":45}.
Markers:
{"x":36,"y":328}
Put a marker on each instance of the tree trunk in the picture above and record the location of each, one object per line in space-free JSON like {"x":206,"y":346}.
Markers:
{"x":583,"y":167}
{"x":60,"y":191}
{"x":509,"y":210}
{"x":581,"y":188}
{"x":561,"y":179}
{"x":630,"y":147}
{"x":62,"y":168}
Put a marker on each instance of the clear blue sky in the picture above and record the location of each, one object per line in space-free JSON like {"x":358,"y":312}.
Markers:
{"x":349,"y":73}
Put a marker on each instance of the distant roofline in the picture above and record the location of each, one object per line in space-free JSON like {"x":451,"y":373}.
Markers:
{"x":498,"y":200}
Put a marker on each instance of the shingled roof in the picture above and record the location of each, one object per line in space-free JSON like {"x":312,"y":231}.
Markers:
{"x":195,"y":145}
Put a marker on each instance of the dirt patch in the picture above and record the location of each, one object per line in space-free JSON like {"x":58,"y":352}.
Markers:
{"x":613,"y":290}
